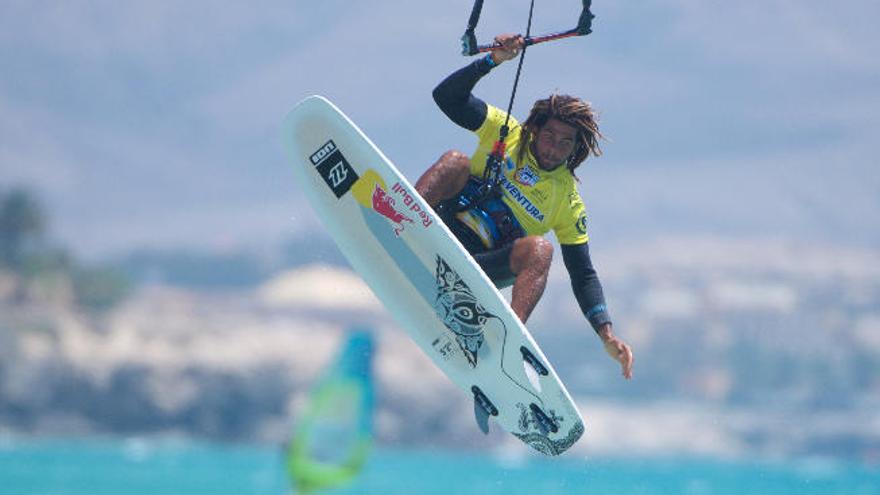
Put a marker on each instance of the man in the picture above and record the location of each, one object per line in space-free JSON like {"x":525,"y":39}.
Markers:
{"x":504,"y":233}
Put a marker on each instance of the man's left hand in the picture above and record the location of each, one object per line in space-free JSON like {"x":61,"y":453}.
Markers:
{"x":619,"y":350}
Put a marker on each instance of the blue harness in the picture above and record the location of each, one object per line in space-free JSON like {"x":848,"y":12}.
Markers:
{"x":490,"y":220}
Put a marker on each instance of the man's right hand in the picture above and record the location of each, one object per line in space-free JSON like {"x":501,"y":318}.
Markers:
{"x":511,"y":44}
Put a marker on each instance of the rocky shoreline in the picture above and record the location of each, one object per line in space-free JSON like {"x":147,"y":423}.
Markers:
{"x":237,"y":365}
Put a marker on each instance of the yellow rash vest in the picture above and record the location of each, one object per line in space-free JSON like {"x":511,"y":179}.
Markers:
{"x":540,"y":200}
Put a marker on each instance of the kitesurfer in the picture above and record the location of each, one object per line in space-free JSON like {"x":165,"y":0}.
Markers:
{"x":504,"y":232}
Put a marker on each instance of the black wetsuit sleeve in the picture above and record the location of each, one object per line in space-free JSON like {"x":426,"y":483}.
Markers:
{"x":453,"y":95}
{"x":585,"y":284}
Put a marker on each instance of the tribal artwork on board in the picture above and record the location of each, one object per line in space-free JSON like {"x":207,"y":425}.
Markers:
{"x":533,"y":435}
{"x":460,"y":311}
{"x":528,"y":421}
{"x":542,"y":443}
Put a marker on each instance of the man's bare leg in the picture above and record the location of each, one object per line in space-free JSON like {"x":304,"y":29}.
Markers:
{"x":444,"y":179}
{"x":530,"y":257}
{"x":530,"y":261}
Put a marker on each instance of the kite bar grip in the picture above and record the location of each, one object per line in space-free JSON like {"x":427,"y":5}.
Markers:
{"x":531,"y":40}
{"x":469,"y":44}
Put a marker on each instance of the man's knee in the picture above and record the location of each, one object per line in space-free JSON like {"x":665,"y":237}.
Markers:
{"x":456,"y":159}
{"x":442,"y":179}
{"x":536,"y":245}
{"x":454,"y":169}
{"x":532,"y":251}
{"x":454,"y":155}
{"x":542,"y":249}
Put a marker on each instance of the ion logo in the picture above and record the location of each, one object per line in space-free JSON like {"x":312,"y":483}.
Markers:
{"x":322,"y":153}
{"x":334,"y":168}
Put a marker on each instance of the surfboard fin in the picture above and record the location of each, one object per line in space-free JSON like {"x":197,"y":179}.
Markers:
{"x":483,"y":408}
{"x":482,"y":417}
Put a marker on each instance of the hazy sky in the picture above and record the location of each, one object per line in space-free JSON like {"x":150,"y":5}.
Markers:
{"x":158,"y":123}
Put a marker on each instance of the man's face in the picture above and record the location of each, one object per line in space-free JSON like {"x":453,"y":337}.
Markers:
{"x":555,"y":142}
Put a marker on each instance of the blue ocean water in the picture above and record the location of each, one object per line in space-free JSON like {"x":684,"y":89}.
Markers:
{"x":138,"y":467}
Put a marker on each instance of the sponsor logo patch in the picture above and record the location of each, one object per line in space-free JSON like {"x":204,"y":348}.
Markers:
{"x":526,"y":176}
{"x":582,"y":223}
{"x":334,"y":168}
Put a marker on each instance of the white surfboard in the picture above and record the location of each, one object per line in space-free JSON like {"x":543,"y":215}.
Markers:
{"x":426,"y":279}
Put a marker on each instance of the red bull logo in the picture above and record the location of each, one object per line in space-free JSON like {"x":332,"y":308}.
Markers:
{"x":396,"y":203}
{"x":384,"y":205}
{"x":411,"y":203}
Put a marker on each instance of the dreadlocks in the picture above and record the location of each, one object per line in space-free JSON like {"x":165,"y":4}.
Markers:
{"x":572,"y":111}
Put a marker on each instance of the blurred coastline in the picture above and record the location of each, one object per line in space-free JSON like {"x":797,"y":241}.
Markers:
{"x":743,"y":350}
